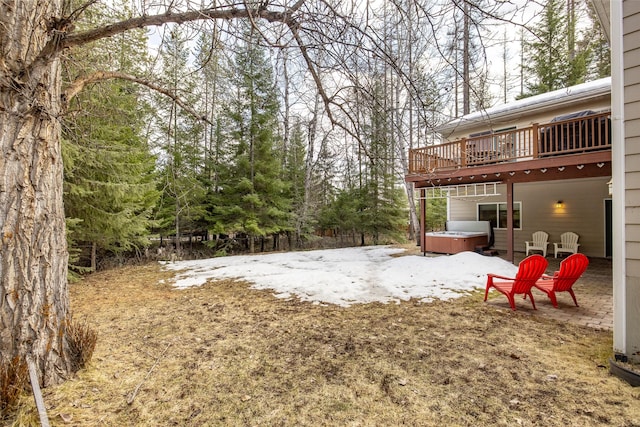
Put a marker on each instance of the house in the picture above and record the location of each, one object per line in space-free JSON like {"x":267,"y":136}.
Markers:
{"x":621,"y":20}
{"x":540,"y":163}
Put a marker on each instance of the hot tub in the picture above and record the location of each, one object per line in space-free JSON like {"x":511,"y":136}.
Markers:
{"x":460,"y":236}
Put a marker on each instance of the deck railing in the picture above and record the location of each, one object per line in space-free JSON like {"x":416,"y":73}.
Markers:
{"x":577,"y":135}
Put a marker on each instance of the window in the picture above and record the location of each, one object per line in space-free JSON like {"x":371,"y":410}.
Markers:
{"x":496,"y":214}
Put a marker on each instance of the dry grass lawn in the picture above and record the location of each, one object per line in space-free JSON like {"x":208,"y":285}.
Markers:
{"x":226,"y":355}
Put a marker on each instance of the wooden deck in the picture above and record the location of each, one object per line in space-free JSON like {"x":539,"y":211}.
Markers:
{"x":579,"y":135}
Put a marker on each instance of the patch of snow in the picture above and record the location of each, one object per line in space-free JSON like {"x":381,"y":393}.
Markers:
{"x":349,"y":275}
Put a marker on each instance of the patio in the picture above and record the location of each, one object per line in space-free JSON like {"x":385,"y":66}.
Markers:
{"x":594,"y":292}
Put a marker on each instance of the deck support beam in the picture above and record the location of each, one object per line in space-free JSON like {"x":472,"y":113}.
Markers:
{"x":510,"y":256}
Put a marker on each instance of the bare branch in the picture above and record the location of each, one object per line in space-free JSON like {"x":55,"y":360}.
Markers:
{"x":176,"y":18}
{"x":82,"y":82}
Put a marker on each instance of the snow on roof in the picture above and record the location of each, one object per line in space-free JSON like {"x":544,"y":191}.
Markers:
{"x":531,"y":105}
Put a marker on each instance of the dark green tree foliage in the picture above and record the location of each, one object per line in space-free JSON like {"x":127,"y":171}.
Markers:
{"x":547,"y":53}
{"x":371,"y":204}
{"x":109,"y":171}
{"x":325,"y":191}
{"x":436,"y":213}
{"x":252,"y":197}
{"x":181,"y":207}
{"x":382,"y":211}
{"x":560,"y":55}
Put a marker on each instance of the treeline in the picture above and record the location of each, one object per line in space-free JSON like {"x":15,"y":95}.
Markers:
{"x":219,"y":133}
{"x":140,"y":164}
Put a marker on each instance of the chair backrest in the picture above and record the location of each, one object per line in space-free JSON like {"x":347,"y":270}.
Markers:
{"x":540,"y":238}
{"x":529,"y":270}
{"x":571,"y":268}
{"x":569,"y":239}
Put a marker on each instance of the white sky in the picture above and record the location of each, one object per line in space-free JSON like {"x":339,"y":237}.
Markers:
{"x":350,"y":275}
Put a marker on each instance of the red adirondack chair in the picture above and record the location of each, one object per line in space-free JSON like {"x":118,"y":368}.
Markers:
{"x":571,"y":268}
{"x":529,"y":270}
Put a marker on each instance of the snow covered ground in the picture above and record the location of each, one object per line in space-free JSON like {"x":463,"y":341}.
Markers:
{"x":349,"y":275}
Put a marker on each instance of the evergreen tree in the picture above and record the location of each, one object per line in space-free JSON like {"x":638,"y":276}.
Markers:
{"x":180,"y":210}
{"x":295,"y":174}
{"x":556,"y":57}
{"x":109,"y":171}
{"x":252,"y":197}
{"x":210,"y":98}
{"x":599,"y":64}
{"x":545,"y":64}
{"x":381,"y":209}
{"x":370,"y":204}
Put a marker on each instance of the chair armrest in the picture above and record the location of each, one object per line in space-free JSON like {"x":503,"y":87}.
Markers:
{"x":500,"y":277}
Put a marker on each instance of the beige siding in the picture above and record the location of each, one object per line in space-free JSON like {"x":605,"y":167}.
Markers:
{"x":582,"y":212}
{"x":633,"y":146}
{"x":632,"y":180}
{"x":634,"y":91}
{"x":632,"y":132}
{"x":631,"y":62}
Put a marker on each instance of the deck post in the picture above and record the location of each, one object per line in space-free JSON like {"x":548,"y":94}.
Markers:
{"x":534,"y":138}
{"x":510,"y":256}
{"x":423,"y":218}
{"x":463,"y":152}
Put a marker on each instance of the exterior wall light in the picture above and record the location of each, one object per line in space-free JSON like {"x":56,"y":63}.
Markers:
{"x":559,"y":204}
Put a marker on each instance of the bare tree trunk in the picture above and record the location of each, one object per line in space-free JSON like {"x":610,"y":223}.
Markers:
{"x":466,"y":61}
{"x":94,"y":250}
{"x":308,"y":171}
{"x":33,"y":257}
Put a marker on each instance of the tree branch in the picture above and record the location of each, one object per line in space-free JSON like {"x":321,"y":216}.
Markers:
{"x":169,"y":17}
{"x":82,"y":82}
{"x":293,"y":26}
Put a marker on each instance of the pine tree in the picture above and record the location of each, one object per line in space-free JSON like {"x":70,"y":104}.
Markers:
{"x":382,"y":211}
{"x":252,"y":198}
{"x":210,"y":97}
{"x":295,"y":174}
{"x":109,"y":171}
{"x":557,"y":57}
{"x":545,"y":52}
{"x":599,"y":63}
{"x":180,"y":210}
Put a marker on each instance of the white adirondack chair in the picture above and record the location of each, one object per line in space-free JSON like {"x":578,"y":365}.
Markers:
{"x":568,"y":244}
{"x":540,"y":241}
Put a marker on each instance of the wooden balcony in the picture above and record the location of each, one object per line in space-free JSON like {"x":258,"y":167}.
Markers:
{"x":573,"y":136}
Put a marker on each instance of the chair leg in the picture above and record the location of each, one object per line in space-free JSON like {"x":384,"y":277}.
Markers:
{"x":574,"y":297}
{"x":552,"y":297}
{"x":533,"y":302}
{"x":512,"y":303}
{"x":486,"y":291}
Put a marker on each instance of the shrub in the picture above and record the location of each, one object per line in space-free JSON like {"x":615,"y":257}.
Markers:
{"x":14,"y":376}
{"x":82,"y":341}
